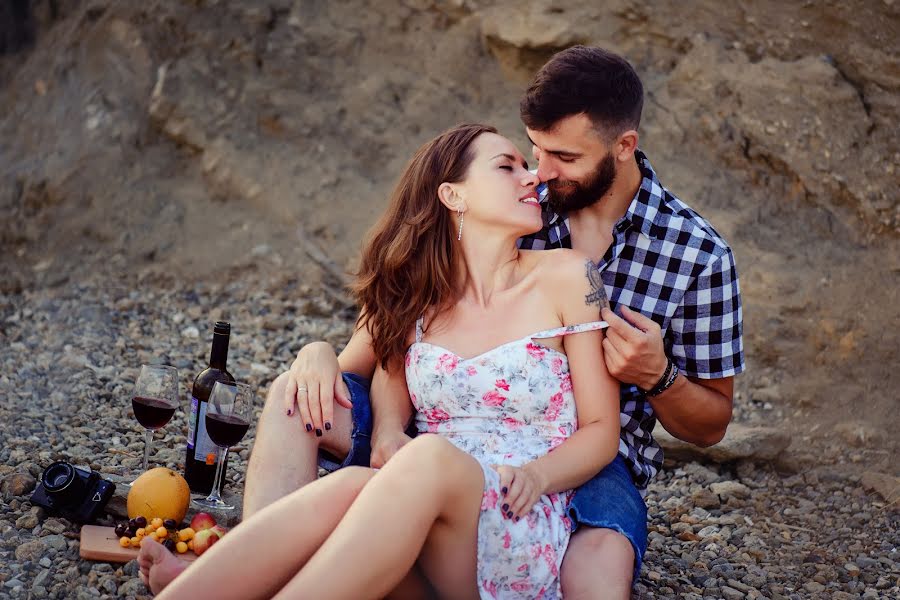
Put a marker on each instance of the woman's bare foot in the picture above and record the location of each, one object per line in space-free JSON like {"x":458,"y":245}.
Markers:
{"x":158,"y":565}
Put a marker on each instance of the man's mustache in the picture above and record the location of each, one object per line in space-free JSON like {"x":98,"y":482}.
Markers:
{"x":556,"y":184}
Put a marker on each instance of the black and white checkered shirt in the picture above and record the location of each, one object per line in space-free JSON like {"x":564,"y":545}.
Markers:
{"x":668,"y":263}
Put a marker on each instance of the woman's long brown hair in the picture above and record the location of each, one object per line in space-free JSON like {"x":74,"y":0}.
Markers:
{"x":409,"y":263}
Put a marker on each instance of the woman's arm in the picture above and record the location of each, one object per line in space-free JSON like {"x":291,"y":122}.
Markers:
{"x":392,"y":410}
{"x":595,"y":443}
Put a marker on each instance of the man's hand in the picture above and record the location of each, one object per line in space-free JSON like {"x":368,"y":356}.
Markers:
{"x":314,"y":383}
{"x":633,"y":348}
{"x":520,"y":489}
{"x":385,"y":445}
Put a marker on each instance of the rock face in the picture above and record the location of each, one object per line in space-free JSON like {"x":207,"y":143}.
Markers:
{"x":165,"y":164}
{"x":740,"y":443}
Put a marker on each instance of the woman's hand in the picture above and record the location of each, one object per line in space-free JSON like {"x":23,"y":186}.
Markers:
{"x":314,"y":383}
{"x":520,"y":489}
{"x":385,"y":445}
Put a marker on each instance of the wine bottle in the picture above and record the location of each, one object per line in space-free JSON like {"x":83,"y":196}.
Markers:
{"x":202,"y":453}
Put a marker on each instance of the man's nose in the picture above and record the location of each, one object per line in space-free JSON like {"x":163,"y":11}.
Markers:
{"x":545,"y":171}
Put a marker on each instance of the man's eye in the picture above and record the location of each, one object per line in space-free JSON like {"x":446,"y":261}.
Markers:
{"x":566,"y":160}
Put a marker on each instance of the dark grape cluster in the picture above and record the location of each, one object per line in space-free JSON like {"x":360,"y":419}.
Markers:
{"x":166,"y":532}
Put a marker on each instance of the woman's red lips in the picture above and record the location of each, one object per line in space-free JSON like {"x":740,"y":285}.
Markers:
{"x":532,"y":195}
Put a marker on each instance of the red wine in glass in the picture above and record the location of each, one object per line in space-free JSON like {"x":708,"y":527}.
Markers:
{"x":226,"y":430}
{"x":152,"y":413}
{"x":154,"y":400}
{"x":227,"y":420}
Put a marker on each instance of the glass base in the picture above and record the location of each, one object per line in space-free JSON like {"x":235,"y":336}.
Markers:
{"x":210,"y":503}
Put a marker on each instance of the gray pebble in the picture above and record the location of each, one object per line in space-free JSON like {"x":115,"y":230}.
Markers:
{"x":730,"y":593}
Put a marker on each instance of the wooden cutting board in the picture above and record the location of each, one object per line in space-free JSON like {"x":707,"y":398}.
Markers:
{"x":101,"y":543}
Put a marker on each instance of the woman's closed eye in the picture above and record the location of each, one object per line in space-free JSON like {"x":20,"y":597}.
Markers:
{"x":507,"y":167}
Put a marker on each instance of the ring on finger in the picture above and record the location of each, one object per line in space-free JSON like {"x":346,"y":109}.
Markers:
{"x":302,"y":388}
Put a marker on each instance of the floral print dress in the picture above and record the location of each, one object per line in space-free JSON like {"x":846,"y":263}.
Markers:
{"x":509,"y":405}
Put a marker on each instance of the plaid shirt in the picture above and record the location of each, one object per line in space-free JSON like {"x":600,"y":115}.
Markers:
{"x":668,"y":263}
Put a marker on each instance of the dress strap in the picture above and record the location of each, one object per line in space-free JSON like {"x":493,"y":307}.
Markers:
{"x":570,"y":329}
{"x":419,"y":324}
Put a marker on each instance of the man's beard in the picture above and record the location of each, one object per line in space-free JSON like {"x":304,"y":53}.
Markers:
{"x":569,"y":196}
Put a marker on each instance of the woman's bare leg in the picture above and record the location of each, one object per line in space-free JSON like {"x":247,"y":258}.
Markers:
{"x":259,"y":556}
{"x":426,"y":501}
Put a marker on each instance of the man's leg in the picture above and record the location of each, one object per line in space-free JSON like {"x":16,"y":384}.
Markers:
{"x":598,"y":564}
{"x":605,"y":553}
{"x":285,"y":456}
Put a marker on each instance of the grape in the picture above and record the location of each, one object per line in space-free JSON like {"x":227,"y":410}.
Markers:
{"x":170,"y":524}
{"x":170,"y":545}
{"x":132,"y":524}
{"x":140,"y":521}
{"x":131,"y":531}
{"x":121,"y":528}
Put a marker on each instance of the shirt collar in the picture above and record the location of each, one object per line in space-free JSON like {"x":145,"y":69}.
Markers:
{"x":642,"y":214}
{"x":644,"y":211}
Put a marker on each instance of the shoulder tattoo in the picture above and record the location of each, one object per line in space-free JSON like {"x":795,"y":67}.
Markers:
{"x":597,"y":296}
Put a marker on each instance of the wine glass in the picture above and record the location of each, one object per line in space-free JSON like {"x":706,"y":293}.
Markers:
{"x":154,"y":401}
{"x":227,"y":421}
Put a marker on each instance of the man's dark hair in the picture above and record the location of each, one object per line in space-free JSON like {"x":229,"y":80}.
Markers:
{"x":585,"y":79}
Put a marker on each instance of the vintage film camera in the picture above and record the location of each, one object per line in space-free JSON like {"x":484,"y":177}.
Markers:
{"x":72,"y":492}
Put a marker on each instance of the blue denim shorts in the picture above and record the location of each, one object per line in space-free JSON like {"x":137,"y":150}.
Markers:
{"x":610,"y":500}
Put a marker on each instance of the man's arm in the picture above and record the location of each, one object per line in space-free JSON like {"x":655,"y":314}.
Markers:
{"x":696,"y":410}
{"x":692,"y":409}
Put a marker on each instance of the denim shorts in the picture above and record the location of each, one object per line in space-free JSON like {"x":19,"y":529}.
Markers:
{"x":610,"y":500}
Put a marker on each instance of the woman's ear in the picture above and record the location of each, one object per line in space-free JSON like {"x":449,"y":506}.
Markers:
{"x":451,"y":198}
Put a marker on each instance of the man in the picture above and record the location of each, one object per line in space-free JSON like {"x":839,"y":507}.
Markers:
{"x":675,"y":344}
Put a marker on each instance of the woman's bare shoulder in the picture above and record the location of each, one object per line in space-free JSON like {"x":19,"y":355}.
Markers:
{"x":560,"y":265}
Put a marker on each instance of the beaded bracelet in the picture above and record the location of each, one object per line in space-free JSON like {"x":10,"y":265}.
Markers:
{"x":666,"y":381}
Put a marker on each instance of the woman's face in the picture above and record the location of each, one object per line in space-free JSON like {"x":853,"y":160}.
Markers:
{"x":499,"y":192}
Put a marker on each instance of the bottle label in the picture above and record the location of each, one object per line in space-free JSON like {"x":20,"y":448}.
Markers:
{"x":205,"y":450}
{"x":192,"y":422}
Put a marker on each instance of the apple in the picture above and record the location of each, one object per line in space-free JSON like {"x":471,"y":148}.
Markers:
{"x":220,"y":531}
{"x":202,"y":521}
{"x":204,"y":540}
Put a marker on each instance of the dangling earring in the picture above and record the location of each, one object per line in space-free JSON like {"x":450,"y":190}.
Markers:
{"x":459,"y":235}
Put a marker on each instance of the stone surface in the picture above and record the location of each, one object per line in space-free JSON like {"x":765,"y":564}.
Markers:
{"x":18,"y":484}
{"x":887,"y":486}
{"x":740,"y":442}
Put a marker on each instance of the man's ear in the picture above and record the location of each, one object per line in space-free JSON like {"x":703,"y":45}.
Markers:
{"x":625,"y":145}
{"x":450,"y":197}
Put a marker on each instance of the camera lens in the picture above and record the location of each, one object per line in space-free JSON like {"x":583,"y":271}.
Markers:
{"x":62,"y":483}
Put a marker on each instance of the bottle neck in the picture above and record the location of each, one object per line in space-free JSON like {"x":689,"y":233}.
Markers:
{"x":219,"y":353}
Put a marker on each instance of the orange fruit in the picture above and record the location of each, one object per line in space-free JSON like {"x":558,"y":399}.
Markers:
{"x":161,"y":492}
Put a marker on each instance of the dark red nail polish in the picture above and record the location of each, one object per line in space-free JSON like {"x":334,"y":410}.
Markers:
{"x":503,"y":490}
{"x":509,"y":514}
{"x":517,"y":519}
{"x":308,"y":427}
{"x":318,"y":432}
{"x":327,"y":426}
{"x":505,"y":507}
{"x":289,"y":412}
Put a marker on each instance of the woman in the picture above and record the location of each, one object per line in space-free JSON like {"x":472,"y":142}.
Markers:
{"x":481,"y":505}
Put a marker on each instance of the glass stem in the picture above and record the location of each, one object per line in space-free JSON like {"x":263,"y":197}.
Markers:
{"x":148,"y":439}
{"x":214,"y":494}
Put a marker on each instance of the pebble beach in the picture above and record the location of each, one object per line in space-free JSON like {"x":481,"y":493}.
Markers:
{"x":69,"y":355}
